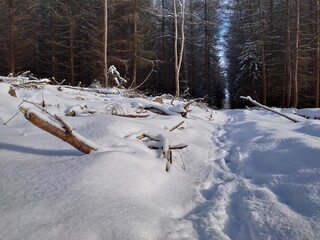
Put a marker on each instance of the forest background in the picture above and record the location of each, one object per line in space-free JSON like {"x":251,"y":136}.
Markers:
{"x":212,"y":49}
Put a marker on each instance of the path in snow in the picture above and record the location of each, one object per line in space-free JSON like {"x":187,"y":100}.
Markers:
{"x":235,"y":205}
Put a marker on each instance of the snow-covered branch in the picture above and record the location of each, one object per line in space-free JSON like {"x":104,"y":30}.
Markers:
{"x":248,"y":98}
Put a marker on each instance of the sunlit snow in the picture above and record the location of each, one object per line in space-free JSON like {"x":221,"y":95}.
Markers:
{"x":244,"y":175}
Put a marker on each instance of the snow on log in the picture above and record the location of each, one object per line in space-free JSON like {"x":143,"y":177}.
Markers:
{"x":163,"y":109}
{"x":57,"y":127}
{"x":21,"y":80}
{"x":248,"y":98}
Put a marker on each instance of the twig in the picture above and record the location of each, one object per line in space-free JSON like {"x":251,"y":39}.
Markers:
{"x":64,"y":124}
{"x":178,"y":125}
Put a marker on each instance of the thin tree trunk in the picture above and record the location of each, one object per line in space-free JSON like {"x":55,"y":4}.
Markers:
{"x":11,"y":54}
{"x":135,"y":45}
{"x":192,"y":49}
{"x":288,"y":56}
{"x":105,"y":42}
{"x":262,"y":48}
{"x":53,"y":40}
{"x":178,"y":55}
{"x":176,"y":49}
{"x":163,"y":72}
{"x":71,"y":44}
{"x":318,"y":57}
{"x":296,"y":57}
{"x":207,"y":51}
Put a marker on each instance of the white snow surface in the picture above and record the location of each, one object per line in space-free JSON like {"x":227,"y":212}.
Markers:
{"x":244,"y":175}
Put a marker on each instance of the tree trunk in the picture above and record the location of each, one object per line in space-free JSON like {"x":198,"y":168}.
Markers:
{"x":53,"y":40}
{"x":135,"y":45}
{"x":192,"y":49}
{"x":163,"y":66}
{"x":288,"y":63}
{"x":11,"y":47}
{"x":296,"y":57}
{"x":71,"y":43}
{"x":105,"y":42}
{"x":262,"y":48}
{"x":207,"y":50}
{"x":178,"y":54}
{"x":318,"y":57}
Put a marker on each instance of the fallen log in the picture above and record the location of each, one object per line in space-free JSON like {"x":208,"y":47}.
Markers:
{"x":267,"y":108}
{"x":58,"y":128}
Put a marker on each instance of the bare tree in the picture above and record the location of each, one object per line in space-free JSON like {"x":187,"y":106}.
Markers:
{"x":178,"y":55}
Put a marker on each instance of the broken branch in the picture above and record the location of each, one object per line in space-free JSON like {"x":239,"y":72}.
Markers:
{"x":267,"y":108}
{"x":63,"y":132}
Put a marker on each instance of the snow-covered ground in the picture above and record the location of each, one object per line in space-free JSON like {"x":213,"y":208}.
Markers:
{"x":244,"y":175}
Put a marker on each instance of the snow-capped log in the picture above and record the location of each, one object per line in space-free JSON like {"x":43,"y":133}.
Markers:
{"x":248,"y":98}
{"x":160,"y":108}
{"x":59,"y":128}
{"x":23,"y":80}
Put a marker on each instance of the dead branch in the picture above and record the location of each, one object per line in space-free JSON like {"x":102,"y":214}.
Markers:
{"x":178,"y":125}
{"x":59,"y":129}
{"x":64,"y":124}
{"x":132,"y":115}
{"x":159,"y":110}
{"x":186,"y":107}
{"x":267,"y":108}
{"x":163,"y":144}
{"x":174,"y":147}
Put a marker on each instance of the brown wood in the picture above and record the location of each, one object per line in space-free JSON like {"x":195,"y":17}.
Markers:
{"x":65,"y":135}
{"x":176,"y":126}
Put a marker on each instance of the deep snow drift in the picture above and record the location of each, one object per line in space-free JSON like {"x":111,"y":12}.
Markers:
{"x":244,"y":175}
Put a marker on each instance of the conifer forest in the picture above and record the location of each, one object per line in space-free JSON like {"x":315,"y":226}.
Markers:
{"x":218,"y":50}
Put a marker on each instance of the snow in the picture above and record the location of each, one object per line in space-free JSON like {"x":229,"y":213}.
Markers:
{"x":244,"y":175}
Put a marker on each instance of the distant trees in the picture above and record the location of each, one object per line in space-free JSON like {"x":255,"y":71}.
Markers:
{"x":287,"y":34}
{"x":162,"y":45}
